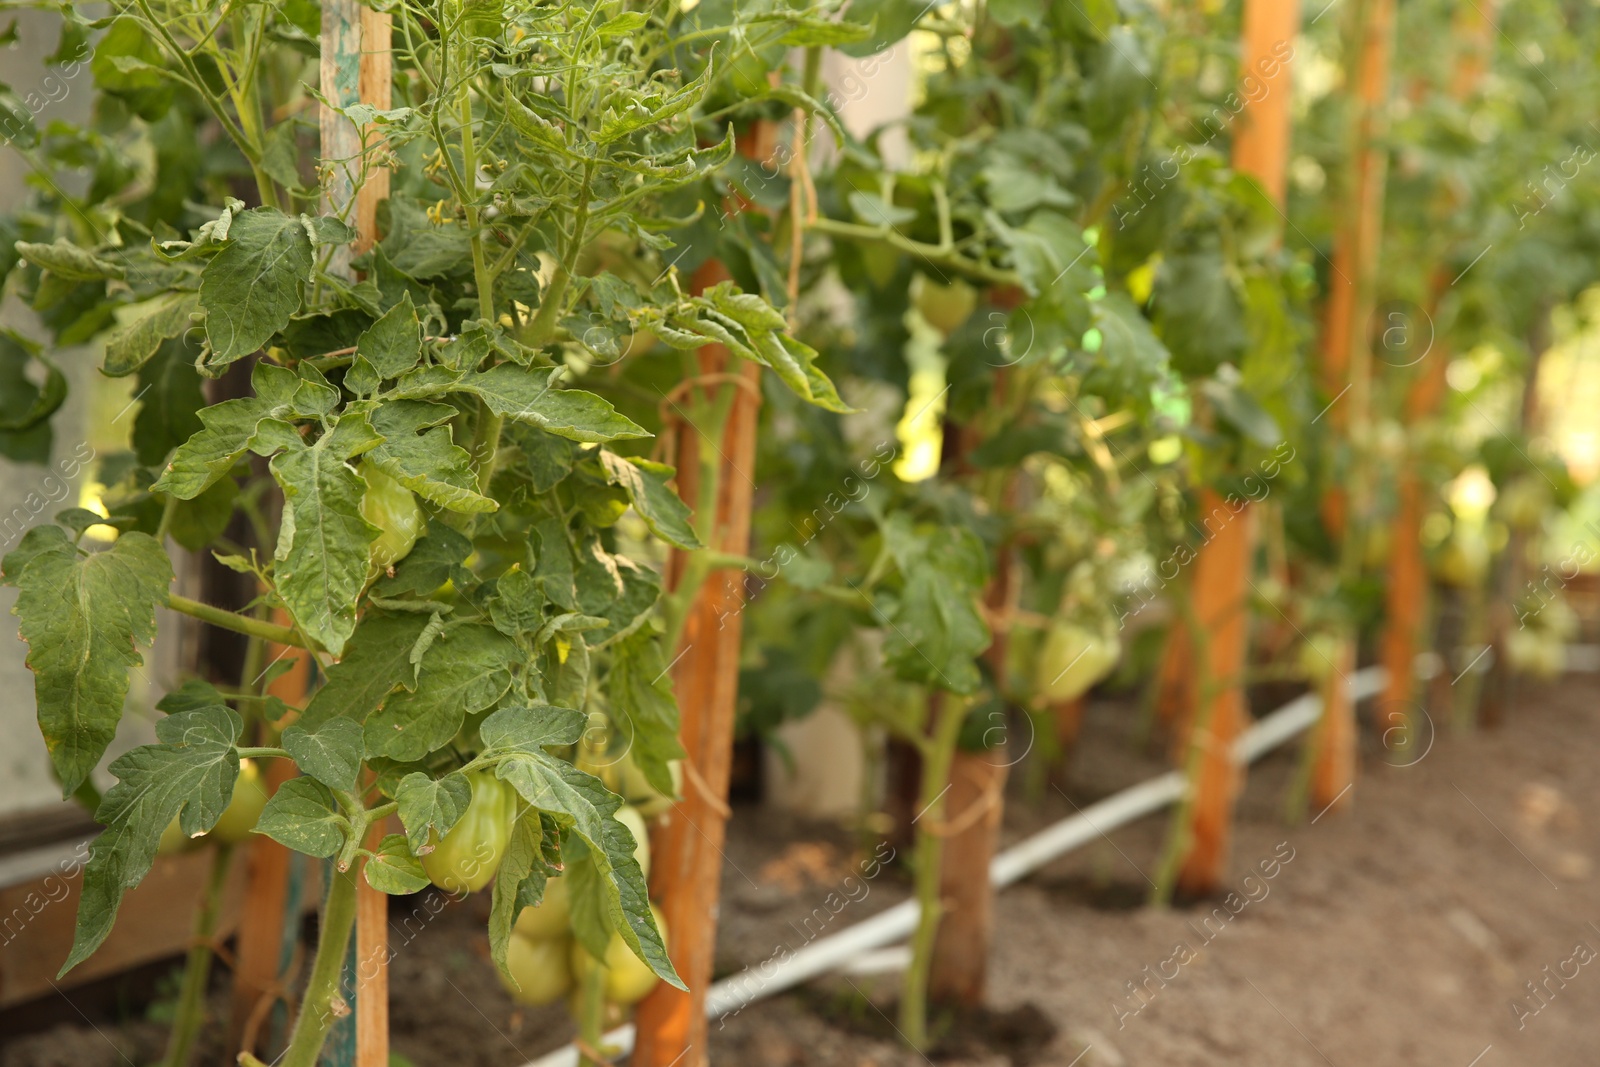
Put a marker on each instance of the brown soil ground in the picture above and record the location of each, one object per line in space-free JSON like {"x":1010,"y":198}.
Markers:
{"x":1401,"y":932}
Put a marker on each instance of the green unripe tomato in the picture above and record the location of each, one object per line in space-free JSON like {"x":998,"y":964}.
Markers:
{"x":465,"y":859}
{"x":630,"y":782}
{"x":1072,"y":660}
{"x":542,"y":969}
{"x":552,"y":918}
{"x":249,"y":797}
{"x":1319,"y":656}
{"x":173,"y":839}
{"x":390,"y":507}
{"x":945,"y":307}
{"x":628,"y":978}
{"x":629,"y":816}
{"x":1463,"y":561}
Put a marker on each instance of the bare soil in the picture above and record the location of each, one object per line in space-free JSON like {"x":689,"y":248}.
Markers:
{"x":1396,"y":931}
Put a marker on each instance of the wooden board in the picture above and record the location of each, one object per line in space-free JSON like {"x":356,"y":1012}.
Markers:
{"x":37,"y":918}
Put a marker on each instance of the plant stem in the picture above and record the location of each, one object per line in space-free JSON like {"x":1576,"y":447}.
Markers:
{"x":592,"y":1012}
{"x":317,"y":1011}
{"x":231,"y":620}
{"x":938,"y":756}
{"x":191,"y":1012}
{"x":943,"y":257}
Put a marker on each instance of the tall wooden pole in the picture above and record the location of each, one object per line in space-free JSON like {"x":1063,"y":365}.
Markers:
{"x":1221,"y":586}
{"x":686,"y":857}
{"x":1407,"y":600}
{"x":1346,"y":354}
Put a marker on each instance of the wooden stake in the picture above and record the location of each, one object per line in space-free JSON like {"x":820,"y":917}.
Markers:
{"x":686,"y":867}
{"x":1220,"y":592}
{"x":1346,"y":354}
{"x":976,"y":804}
{"x":1407,"y":599}
{"x":1222,"y":613}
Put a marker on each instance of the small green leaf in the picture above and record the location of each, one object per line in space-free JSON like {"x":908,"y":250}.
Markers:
{"x":518,"y":883}
{"x":69,"y":262}
{"x":643,"y":708}
{"x":303,"y":815}
{"x":530,"y":395}
{"x":144,"y":326}
{"x":392,"y":869}
{"x":646,"y":483}
{"x":252,"y":287}
{"x":421,"y":454}
{"x":529,"y":730}
{"x":582,"y":802}
{"x":84,"y":618}
{"x":465,"y":671}
{"x":190,"y":774}
{"x":331,"y":755}
{"x":431,"y":804}
{"x":323,"y":541}
{"x":393,"y":344}
{"x":374,"y":665}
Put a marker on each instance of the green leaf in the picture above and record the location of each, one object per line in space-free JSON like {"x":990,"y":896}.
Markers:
{"x":252,"y":287}
{"x":84,"y":618}
{"x":25,"y":405}
{"x":304,"y":816}
{"x":530,"y":395}
{"x":198,"y":522}
{"x":518,"y":883}
{"x":144,"y":326}
{"x":170,"y":401}
{"x":374,"y":665}
{"x":68,"y":262}
{"x":332,"y":754}
{"x":637,"y":114}
{"x":433,"y":559}
{"x":421,"y":454}
{"x":646,"y":485}
{"x":643,"y":708}
{"x":464,"y":672}
{"x":586,"y":894}
{"x":518,"y":604}
{"x":431,"y":804}
{"x":323,"y":541}
{"x":236,"y":426}
{"x":513,"y":730}
{"x":189,"y":774}
{"x":581,"y":802}
{"x":393,"y":869}
{"x":193,"y":695}
{"x":936,"y":633}
{"x":391,"y":346}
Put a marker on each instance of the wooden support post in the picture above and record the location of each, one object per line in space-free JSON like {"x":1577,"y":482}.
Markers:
{"x":976,"y":803}
{"x":1346,"y":353}
{"x":686,"y":855}
{"x":1221,"y":588}
{"x":1222,"y":613}
{"x":959,"y":971}
{"x":1407,"y":598}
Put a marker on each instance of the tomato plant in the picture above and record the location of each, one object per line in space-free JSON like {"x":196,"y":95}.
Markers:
{"x":463,"y":539}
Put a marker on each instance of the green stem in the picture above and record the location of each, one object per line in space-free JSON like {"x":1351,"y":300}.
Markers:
{"x":191,"y":1012}
{"x":239,"y":624}
{"x":943,"y":257}
{"x":592,"y":1012}
{"x":262,"y":752}
{"x":317,"y":1010}
{"x":938,"y":756}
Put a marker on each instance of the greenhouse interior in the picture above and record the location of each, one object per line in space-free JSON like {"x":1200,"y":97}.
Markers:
{"x":799,"y":533}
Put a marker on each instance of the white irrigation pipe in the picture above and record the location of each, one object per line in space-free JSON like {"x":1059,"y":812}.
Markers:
{"x":1015,"y":863}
